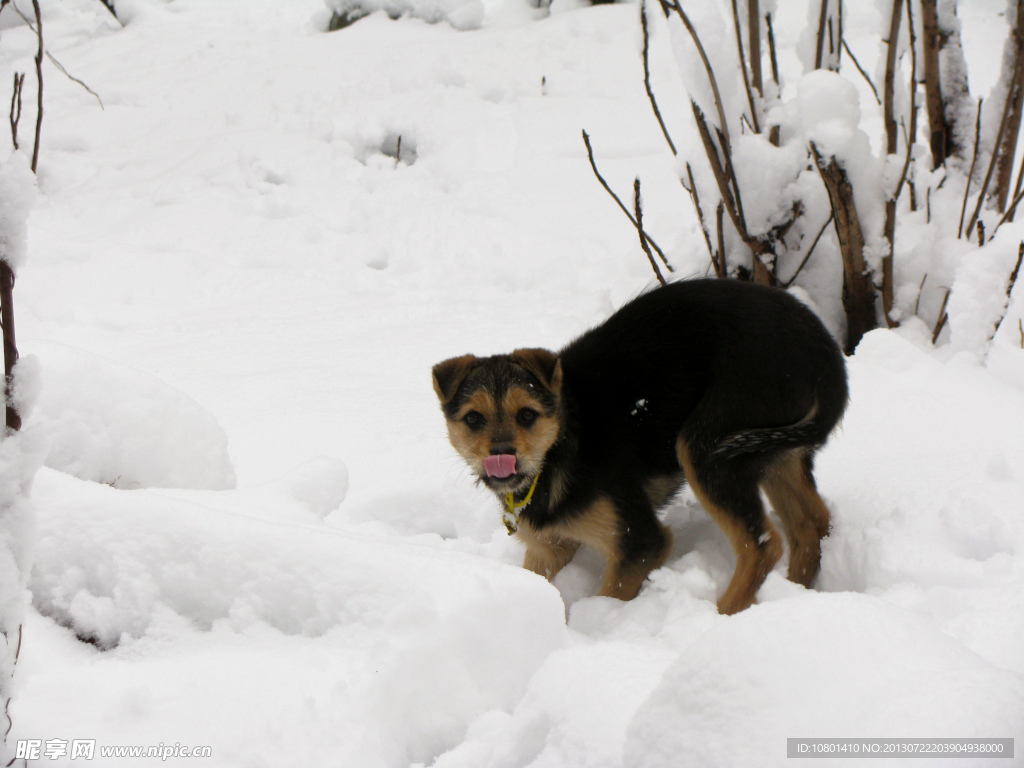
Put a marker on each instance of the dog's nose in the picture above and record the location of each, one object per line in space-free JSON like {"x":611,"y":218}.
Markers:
{"x":498,"y":448}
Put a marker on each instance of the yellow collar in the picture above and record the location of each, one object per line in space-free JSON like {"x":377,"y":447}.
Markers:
{"x":511,"y":514}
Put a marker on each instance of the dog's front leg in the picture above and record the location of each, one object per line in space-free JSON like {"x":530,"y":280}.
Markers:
{"x":546,"y":553}
{"x":629,"y":535}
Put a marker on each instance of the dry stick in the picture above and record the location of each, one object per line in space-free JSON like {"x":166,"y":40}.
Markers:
{"x":839,"y":24}
{"x":640,"y":228}
{"x":995,"y":152}
{"x":771,"y":49}
{"x":938,"y":126}
{"x":692,"y":189}
{"x":720,"y":221}
{"x":943,"y":317}
{"x":13,"y":419}
{"x":1017,"y":186}
{"x":819,"y":49}
{"x":1020,"y":327}
{"x":647,"y":77}
{"x":743,"y":67}
{"x":917,"y":301}
{"x":57,"y":64}
{"x":724,"y":126}
{"x":74,"y":79}
{"x":39,"y":105}
{"x":754,"y":32}
{"x":860,"y":69}
{"x":892,"y":140}
{"x":1008,"y":216}
{"x":1006,"y":143}
{"x":829,"y":220}
{"x":625,"y":210}
{"x":773,"y":134}
{"x":970,"y":173}
{"x":858,"y":291}
{"x":19,"y":82}
{"x":981,"y":233}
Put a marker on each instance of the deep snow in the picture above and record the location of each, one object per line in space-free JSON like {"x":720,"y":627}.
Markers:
{"x":234,"y":293}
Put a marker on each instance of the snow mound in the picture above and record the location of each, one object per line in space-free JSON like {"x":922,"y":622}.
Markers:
{"x":111,"y":424}
{"x":771,"y":673}
{"x":128,"y":567}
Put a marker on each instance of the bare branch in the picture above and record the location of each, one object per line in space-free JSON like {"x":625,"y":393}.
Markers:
{"x":608,"y":189}
{"x":647,"y":76}
{"x":754,"y":33}
{"x":692,"y":189}
{"x":943,"y":317}
{"x":995,"y":154}
{"x":74,"y":79}
{"x":1006,"y":142}
{"x":39,"y":92}
{"x":638,"y":208}
{"x":19,"y":83}
{"x":771,"y":49}
{"x":807,"y":256}
{"x":970,"y":173}
{"x":743,"y":67}
{"x":858,"y":291}
{"x":864,"y":74}
{"x":723,"y":123}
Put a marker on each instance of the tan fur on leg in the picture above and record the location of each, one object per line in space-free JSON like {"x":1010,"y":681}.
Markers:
{"x":790,"y":489}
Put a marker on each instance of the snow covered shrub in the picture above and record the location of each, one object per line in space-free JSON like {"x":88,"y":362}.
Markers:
{"x":798,"y":186}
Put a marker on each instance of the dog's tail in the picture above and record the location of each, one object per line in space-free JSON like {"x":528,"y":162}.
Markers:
{"x":807,"y":431}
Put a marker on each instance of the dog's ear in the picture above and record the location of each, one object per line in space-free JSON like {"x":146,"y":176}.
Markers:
{"x":542,"y":363}
{"x":449,"y":374}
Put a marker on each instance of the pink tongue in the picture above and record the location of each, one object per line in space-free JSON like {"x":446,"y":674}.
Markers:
{"x":500,"y":465}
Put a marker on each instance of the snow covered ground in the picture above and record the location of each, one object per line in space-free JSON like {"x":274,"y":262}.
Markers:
{"x":252,"y":533}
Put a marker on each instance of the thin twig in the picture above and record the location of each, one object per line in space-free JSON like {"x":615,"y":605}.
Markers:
{"x":917,"y":301}
{"x":19,"y":83}
{"x":829,"y":220}
{"x":720,"y":221}
{"x":995,"y":151}
{"x":771,"y":49}
{"x":1009,"y":286}
{"x":608,"y":189}
{"x":819,"y":48}
{"x":724,"y":127}
{"x":647,"y":76}
{"x":860,"y":69}
{"x":692,"y":189}
{"x":970,"y":173}
{"x":56,"y":63}
{"x":743,"y":67}
{"x":39,"y":90}
{"x":943,"y":317}
{"x":640,"y":229}
{"x":1008,"y":216}
{"x":74,"y":79}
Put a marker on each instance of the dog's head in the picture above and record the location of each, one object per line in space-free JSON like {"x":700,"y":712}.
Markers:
{"x":503,"y":413}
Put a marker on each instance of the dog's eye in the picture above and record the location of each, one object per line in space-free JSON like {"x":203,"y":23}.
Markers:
{"x":474,"y":420}
{"x":526,"y":417}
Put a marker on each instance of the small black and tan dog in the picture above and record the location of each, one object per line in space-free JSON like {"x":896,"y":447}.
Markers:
{"x":726,"y":385}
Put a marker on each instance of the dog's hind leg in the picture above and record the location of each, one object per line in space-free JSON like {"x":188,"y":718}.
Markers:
{"x":789,"y":485}
{"x":728,"y":491}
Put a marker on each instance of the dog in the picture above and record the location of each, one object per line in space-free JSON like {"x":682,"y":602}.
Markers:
{"x":725,"y":385}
